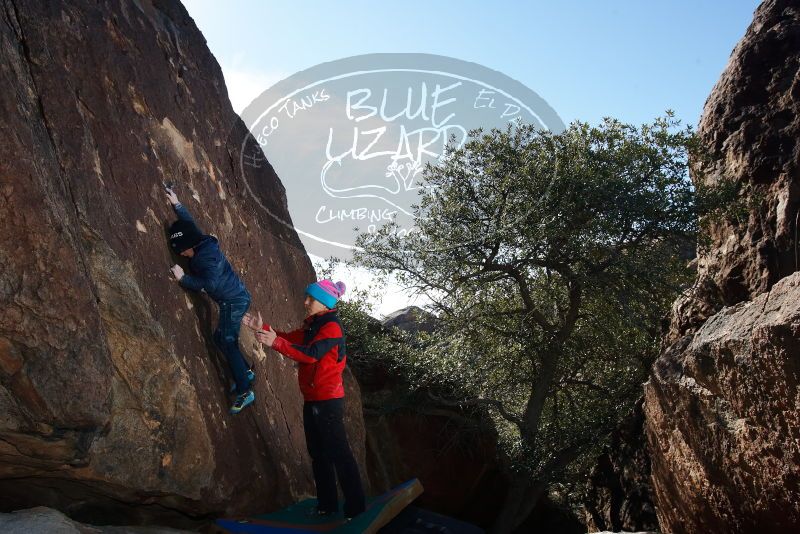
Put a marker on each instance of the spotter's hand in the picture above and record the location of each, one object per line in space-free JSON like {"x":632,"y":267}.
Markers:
{"x":267,"y":338}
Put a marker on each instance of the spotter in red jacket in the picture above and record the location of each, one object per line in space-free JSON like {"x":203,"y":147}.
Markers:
{"x":319,"y":349}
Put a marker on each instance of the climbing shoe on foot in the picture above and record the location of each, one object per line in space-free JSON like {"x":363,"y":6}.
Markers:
{"x":242,"y":400}
{"x":251,"y":377}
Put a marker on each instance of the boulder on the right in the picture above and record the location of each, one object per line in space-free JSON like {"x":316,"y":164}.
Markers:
{"x":722,"y":406}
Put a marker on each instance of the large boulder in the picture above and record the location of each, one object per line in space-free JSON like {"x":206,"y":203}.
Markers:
{"x":411,"y":319}
{"x":723,"y":409}
{"x":750,"y":128}
{"x":722,"y":406}
{"x":452,"y":451}
{"x":42,"y":519}
{"x":113,"y":400}
{"x":408,"y":435}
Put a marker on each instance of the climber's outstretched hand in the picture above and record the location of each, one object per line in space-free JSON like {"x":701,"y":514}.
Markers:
{"x":173,"y":198}
{"x":252,"y":322}
{"x":267,"y":338}
{"x":177,"y":271}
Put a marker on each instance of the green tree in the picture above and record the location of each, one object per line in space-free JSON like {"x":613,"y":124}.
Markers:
{"x":550,"y":260}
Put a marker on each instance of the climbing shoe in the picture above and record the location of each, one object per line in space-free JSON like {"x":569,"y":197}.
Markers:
{"x":251,"y":377}
{"x":242,"y":400}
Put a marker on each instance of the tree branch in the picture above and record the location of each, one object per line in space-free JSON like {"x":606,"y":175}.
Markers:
{"x":590,"y":385}
{"x":497,"y":405}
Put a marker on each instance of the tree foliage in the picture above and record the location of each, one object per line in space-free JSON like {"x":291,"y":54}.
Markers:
{"x":550,"y":260}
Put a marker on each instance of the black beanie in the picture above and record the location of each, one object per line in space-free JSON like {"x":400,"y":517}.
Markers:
{"x":183,"y":235}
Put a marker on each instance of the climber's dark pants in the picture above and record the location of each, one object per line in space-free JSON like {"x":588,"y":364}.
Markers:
{"x":331,"y":457}
{"x":226,"y":337}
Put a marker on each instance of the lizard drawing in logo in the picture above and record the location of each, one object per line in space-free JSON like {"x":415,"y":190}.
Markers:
{"x":393,"y":174}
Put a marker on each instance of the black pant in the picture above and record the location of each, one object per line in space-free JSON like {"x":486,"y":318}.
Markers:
{"x":323,"y":422}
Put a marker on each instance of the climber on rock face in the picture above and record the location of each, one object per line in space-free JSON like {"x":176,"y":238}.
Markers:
{"x":319,"y":349}
{"x":212,"y":273}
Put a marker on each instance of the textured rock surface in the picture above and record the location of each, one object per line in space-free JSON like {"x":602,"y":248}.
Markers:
{"x":620,"y":495}
{"x":750,"y":126}
{"x":409,"y":437}
{"x":41,"y":519}
{"x":410,"y":319}
{"x":113,"y":403}
{"x":456,"y":467}
{"x":722,"y":408}
{"x":452,"y":452}
{"x":723,"y":413}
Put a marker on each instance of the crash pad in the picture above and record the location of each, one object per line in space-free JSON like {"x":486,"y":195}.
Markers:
{"x":413,"y":520}
{"x":296,"y":519}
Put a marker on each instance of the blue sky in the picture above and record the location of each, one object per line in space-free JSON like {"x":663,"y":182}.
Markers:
{"x":588,"y":59}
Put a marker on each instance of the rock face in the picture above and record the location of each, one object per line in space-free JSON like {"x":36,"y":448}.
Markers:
{"x":41,"y":519}
{"x":750,"y":124}
{"x":113,"y":401}
{"x":723,"y":412}
{"x":455,"y":464}
{"x":409,"y":437}
{"x":620,"y":494}
{"x":722,"y":406}
{"x":451,"y":451}
{"x":411,"y":319}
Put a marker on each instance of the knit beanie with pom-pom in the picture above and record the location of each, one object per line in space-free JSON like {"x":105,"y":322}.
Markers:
{"x":326,"y":292}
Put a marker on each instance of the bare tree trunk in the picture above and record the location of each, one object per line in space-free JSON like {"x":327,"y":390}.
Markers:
{"x":522,"y":490}
{"x":506,"y":519}
{"x":535,"y":493}
{"x":524,"y":493}
{"x":519,"y":503}
{"x":538,"y":395}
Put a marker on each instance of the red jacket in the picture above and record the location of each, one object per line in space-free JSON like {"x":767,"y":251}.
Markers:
{"x":319,"y":349}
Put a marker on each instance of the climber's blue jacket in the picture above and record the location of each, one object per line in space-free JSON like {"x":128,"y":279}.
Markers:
{"x":211,"y":271}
